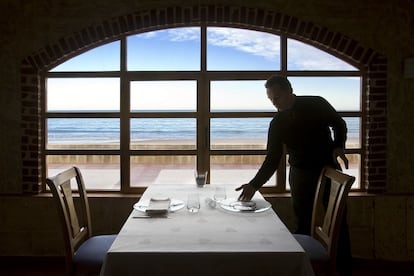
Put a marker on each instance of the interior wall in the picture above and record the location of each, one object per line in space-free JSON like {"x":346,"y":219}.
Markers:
{"x":380,"y":224}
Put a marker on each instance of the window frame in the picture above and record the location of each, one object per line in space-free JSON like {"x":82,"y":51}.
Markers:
{"x":202,"y":113}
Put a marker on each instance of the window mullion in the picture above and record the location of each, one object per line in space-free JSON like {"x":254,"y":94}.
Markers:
{"x":125,"y":123}
{"x":281,"y":170}
{"x":283,"y":54}
{"x":203,"y":110}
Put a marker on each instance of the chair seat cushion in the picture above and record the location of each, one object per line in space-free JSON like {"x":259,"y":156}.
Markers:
{"x":93,"y":251}
{"x":313,"y":248}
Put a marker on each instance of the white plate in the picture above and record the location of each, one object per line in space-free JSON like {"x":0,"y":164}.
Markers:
{"x":175,"y":205}
{"x":254,"y":206}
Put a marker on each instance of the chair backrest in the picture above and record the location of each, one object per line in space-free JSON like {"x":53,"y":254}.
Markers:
{"x":328,"y":209}
{"x":75,"y":220}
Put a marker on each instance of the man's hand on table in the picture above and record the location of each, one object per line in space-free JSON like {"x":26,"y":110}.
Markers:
{"x":247,"y":193}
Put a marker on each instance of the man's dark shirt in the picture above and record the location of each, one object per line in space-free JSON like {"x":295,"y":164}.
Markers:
{"x":305,"y":130}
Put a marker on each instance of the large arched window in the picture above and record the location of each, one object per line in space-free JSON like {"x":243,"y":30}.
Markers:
{"x":155,"y":107}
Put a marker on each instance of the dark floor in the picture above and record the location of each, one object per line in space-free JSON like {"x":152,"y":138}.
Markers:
{"x":55,"y":267}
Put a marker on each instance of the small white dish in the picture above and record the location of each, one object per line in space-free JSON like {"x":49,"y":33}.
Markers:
{"x":175,"y":205}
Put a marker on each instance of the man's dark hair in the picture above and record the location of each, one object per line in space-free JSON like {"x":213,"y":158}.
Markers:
{"x":281,"y":81}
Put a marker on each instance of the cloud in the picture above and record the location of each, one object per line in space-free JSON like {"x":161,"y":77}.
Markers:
{"x":184,"y":34}
{"x":301,"y":56}
{"x":149,"y":35}
{"x":252,"y":42}
{"x":306,"y":57}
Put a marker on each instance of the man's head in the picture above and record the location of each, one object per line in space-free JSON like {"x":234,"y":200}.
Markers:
{"x":279,"y":92}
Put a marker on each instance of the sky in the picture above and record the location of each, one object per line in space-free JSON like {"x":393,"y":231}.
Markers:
{"x":179,"y":49}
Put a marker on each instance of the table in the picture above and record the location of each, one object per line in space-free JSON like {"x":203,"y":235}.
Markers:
{"x":211,"y":242}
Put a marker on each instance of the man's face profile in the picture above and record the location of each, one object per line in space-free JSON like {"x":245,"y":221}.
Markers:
{"x":280,"y":98}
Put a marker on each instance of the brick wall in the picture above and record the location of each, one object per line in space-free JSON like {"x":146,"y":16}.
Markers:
{"x":346,"y":48}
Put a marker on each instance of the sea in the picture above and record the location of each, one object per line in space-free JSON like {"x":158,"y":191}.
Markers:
{"x":107,"y":130}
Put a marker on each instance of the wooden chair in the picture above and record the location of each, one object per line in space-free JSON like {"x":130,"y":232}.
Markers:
{"x":84,"y":253}
{"x":322,"y":245}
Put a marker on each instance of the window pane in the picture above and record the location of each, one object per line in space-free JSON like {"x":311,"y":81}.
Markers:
{"x":83,"y":94}
{"x":239,"y":133}
{"x":100,"y":172}
{"x":239,"y":96}
{"x":163,"y":95}
{"x":354,"y":132}
{"x":173,"y":49}
{"x":75,"y":133}
{"x":343,"y":93}
{"x":102,"y":58}
{"x":148,"y":170}
{"x":163,"y":133}
{"x":231,"y":169}
{"x":240,"y":49}
{"x":302,"y":56}
{"x":354,"y":169}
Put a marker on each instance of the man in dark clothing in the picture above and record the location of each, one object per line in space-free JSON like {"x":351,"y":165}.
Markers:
{"x":304,"y":124}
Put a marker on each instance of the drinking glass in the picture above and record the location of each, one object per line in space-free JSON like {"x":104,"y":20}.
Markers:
{"x":193,"y":203}
{"x":200,"y":178}
{"x":220,"y":194}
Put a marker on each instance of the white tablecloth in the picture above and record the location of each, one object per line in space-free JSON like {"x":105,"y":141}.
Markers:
{"x":211,"y":242}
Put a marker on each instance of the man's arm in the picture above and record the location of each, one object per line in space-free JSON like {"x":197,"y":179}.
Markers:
{"x":340,"y":134}
{"x":339,"y":152}
{"x":273,"y":155}
{"x":268,"y":167}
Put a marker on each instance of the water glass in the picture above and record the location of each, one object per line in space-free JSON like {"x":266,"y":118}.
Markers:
{"x":201,"y":178}
{"x":220,"y":194}
{"x":193,"y":203}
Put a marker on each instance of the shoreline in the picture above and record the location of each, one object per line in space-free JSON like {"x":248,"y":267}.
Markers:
{"x":354,"y":142}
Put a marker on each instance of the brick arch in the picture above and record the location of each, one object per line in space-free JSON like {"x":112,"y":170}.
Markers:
{"x":346,"y":48}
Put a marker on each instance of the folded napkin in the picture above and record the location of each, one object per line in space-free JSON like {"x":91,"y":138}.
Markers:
{"x":158,"y":206}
